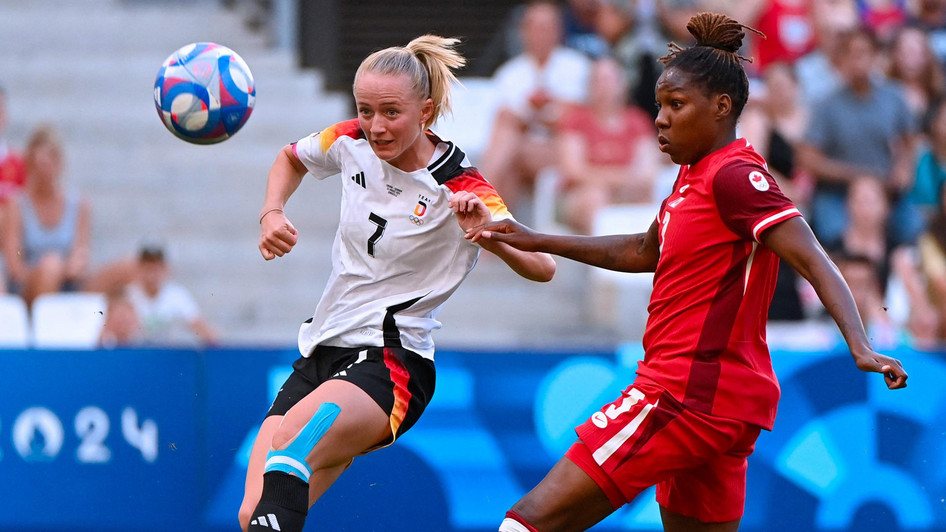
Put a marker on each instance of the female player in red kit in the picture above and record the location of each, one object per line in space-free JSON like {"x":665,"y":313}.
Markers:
{"x":706,"y":387}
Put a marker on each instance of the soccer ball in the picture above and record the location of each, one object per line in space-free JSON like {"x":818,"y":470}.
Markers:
{"x":204,"y":93}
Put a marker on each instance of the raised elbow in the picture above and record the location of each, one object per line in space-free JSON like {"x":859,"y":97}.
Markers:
{"x":546,"y":271}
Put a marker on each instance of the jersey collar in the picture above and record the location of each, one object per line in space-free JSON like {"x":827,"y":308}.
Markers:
{"x":447,"y":165}
{"x":740,"y":144}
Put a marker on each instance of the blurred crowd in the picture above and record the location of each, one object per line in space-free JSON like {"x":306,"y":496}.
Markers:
{"x":846,"y":104}
{"x":45,"y":247}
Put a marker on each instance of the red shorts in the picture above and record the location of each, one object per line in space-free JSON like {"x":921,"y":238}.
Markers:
{"x":647,"y":438}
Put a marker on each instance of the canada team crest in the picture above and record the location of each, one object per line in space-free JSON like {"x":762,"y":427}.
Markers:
{"x":759,"y":181}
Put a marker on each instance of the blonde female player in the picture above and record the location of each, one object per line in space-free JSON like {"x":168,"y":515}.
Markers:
{"x":366,"y":371}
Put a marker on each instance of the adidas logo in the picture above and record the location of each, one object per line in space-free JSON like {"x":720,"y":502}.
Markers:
{"x":359,"y":178}
{"x":270,"y":523}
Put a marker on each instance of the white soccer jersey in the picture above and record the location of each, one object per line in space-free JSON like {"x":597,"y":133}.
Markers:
{"x":399,"y":252}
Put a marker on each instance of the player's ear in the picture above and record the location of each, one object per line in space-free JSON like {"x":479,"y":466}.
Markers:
{"x":426,"y":111}
{"x":723,"y":106}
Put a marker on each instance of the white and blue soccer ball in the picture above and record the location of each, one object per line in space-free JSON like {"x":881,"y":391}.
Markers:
{"x":204,"y":93}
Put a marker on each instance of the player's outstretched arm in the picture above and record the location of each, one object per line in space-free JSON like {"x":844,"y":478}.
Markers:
{"x":793,"y":241}
{"x":625,"y":253}
{"x":471,"y":212}
{"x":277,"y":234}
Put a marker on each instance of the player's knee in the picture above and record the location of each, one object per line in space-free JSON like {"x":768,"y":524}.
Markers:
{"x":290,"y":451}
{"x":282,"y":438}
{"x":525,"y":508}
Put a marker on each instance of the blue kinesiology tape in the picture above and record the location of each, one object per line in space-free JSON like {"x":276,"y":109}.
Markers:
{"x":292,"y":459}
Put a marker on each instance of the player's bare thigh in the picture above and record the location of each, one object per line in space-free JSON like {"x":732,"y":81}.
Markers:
{"x":566,"y":500}
{"x":361,"y":424}
{"x":674,"y":522}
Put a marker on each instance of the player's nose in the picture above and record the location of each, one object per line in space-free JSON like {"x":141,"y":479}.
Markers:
{"x":376,"y":125}
{"x":663,"y":120}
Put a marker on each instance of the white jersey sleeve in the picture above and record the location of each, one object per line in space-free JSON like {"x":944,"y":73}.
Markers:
{"x":319,"y":152}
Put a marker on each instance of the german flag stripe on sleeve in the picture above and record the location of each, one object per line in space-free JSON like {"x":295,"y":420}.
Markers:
{"x":330,"y":134}
{"x":470,"y":180}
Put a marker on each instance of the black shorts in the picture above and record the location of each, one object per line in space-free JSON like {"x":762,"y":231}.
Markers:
{"x":400,"y":381}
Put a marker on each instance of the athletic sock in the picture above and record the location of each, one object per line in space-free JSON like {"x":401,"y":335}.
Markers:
{"x":283,"y":504}
{"x":515,"y":523}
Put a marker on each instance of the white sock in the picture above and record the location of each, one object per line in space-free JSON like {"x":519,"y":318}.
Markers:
{"x":511,"y":525}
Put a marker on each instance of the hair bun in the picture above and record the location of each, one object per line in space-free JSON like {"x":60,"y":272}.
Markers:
{"x":718,"y":46}
{"x":717,"y":31}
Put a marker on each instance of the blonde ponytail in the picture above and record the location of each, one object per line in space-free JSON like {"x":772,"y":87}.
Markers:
{"x":429,"y":62}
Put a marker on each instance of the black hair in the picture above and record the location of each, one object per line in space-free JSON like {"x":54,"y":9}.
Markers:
{"x":151,"y":253}
{"x":714,"y":62}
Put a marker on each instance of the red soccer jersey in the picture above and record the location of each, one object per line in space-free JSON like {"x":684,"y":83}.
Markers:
{"x":705,"y":337}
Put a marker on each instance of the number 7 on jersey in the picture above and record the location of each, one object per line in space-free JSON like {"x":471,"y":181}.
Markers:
{"x":373,"y":239}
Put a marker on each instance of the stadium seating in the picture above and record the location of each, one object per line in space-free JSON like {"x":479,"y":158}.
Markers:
{"x":620,"y":299}
{"x":68,"y":320}
{"x":546,"y":196}
{"x":14,"y":322}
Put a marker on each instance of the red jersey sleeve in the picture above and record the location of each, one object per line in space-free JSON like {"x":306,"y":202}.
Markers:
{"x":749,"y":200}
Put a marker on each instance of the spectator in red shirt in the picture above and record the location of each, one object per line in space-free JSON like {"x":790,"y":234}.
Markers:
{"x":706,"y":387}
{"x":12,"y":168}
{"x":789,"y":29}
{"x":606,"y":150}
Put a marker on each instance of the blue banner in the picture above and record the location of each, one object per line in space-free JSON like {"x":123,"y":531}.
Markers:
{"x":96,"y":440}
{"x":155,"y":440}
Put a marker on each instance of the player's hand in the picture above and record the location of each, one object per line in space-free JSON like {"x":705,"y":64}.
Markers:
{"x":508,"y":231}
{"x":470,"y":210}
{"x":277,"y":235}
{"x":892,"y":369}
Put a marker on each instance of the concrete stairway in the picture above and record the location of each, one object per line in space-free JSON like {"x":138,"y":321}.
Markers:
{"x":88,"y":67}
